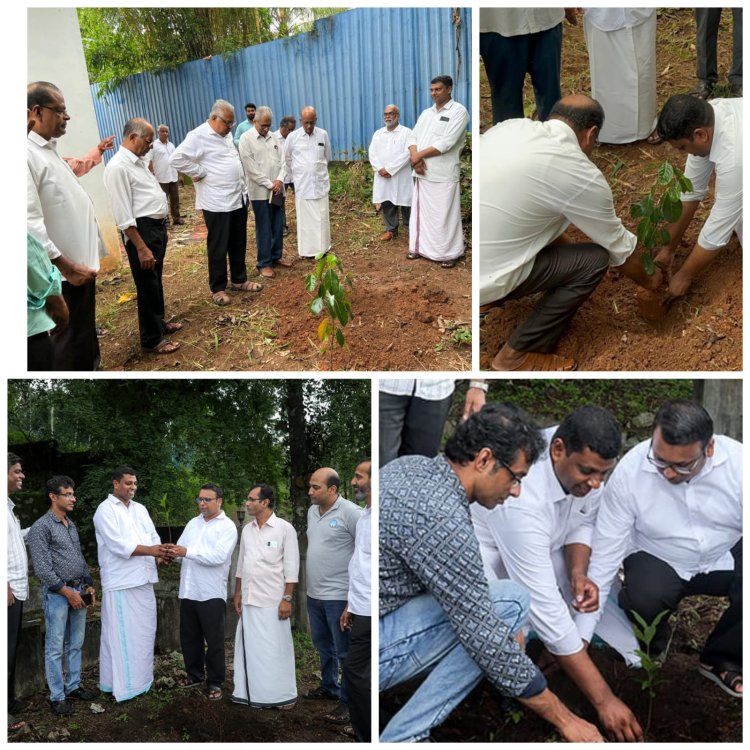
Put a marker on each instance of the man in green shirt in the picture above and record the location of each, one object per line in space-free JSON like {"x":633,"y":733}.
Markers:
{"x":245,"y":124}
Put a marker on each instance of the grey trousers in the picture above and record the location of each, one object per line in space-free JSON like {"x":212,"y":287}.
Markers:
{"x":390,"y":216}
{"x":707,"y":31}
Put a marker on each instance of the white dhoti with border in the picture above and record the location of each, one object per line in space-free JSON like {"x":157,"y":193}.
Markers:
{"x":313,"y":226}
{"x":126,"y":651}
{"x":435,"y":230}
{"x":264,"y":674}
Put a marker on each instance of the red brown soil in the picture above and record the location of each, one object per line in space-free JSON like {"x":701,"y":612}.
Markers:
{"x":702,"y":331}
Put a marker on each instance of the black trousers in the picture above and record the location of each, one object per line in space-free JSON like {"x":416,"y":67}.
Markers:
{"x":172,"y":192}
{"x":202,"y":631}
{"x":39,"y":352}
{"x":707,"y":32}
{"x":390,"y":216}
{"x":227,"y":237}
{"x":15,"y":613}
{"x":651,"y":586}
{"x":148,"y":282}
{"x":77,"y":347}
{"x":567,"y":274}
{"x":356,"y":674}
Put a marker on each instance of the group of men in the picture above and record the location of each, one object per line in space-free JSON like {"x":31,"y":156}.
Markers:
{"x":514,"y":528}
{"x":267,"y":571}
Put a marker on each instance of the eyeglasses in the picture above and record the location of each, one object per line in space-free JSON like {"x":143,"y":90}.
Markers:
{"x":229,"y":123}
{"x":682,"y":469}
{"x":516,"y":480}
{"x":65,"y":494}
{"x":63,"y":112}
{"x":200,"y":500}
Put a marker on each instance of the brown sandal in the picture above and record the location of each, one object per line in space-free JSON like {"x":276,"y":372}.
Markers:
{"x":172,"y":327}
{"x":247,"y":286}
{"x":221,"y":299}
{"x":163,"y":347}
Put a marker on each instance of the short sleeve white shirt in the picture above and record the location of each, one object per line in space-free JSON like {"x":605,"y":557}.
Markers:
{"x":360,"y":597}
{"x":160,"y":153}
{"x":445,"y":130}
{"x":517,"y":21}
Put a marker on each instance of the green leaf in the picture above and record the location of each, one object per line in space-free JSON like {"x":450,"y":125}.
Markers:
{"x":671,"y":209}
{"x":637,"y":210}
{"x":341,"y":312}
{"x":311,"y":282}
{"x":316,"y":306}
{"x":639,"y":619}
{"x":340,"y":337}
{"x":663,"y":237}
{"x":666,"y":173}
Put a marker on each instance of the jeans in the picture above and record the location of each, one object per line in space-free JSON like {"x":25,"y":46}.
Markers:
{"x":330,"y":642}
{"x":66,"y":628}
{"x":418,"y":638}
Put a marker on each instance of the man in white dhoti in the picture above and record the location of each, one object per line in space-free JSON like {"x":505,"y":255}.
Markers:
{"x":435,"y":230}
{"x":392,"y":183}
{"x":267,"y":572}
{"x":542,"y":540}
{"x":622,"y":59}
{"x":128,"y":548}
{"x":308,"y":152}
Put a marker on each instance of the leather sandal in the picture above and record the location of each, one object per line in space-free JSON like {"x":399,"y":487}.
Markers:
{"x":533,"y":362}
{"x":726,"y":676}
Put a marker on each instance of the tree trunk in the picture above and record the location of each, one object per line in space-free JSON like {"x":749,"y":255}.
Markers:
{"x":722,"y":399}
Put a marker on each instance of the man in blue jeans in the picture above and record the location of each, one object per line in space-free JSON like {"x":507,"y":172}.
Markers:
{"x":331,"y":532}
{"x":438,"y":614}
{"x":61,"y":569}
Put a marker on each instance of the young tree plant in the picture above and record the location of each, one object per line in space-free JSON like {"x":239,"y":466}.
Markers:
{"x":644,"y":633}
{"x":165,"y":507}
{"x":328,"y":284}
{"x":661,"y":206}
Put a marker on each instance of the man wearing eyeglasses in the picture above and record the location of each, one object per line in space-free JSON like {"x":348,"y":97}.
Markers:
{"x":209,"y":157}
{"x":542,"y":540}
{"x":438,"y":613}
{"x":671,"y":515}
{"x":67,"y":590}
{"x":205,"y":550}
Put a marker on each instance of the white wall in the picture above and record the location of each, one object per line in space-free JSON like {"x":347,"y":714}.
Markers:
{"x":55,"y":54}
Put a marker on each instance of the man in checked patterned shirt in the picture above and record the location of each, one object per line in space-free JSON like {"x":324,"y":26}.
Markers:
{"x":438,"y":613}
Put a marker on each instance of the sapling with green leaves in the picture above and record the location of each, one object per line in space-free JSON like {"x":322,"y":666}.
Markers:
{"x":644,"y":633}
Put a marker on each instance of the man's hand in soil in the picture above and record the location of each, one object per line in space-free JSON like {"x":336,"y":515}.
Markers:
{"x":579,"y":730}
{"x":619,"y":721}
{"x":698,"y":260}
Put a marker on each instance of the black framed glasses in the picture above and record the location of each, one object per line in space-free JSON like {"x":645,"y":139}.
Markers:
{"x":63,"y":112}
{"x":200,"y":500}
{"x":516,"y":480}
{"x":683,"y":468}
{"x":228,"y":123}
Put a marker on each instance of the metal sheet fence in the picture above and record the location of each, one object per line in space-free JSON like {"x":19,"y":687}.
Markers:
{"x":348,"y":67}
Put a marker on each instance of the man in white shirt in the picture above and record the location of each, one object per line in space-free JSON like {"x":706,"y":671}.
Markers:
{"x":164,"y":172}
{"x":61,"y":217}
{"x":267,"y":573}
{"x":287,"y":124}
{"x":392,"y":183}
{"x":356,"y":617}
{"x":139,"y":206}
{"x":129,"y":549}
{"x":435,"y":145}
{"x":711,"y":134}
{"x":263,"y":161}
{"x":536,"y":180}
{"x":671,"y":515}
{"x":308,"y":152}
{"x":209,"y":157}
{"x":205,"y":550}
{"x":542,"y":540}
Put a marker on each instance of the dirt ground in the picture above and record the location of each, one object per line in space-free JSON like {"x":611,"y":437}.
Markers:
{"x":702,"y":331}
{"x":687,"y":707}
{"x":408,"y":315}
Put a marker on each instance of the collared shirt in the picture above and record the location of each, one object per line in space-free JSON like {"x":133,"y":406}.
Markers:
{"x":18,"y":563}
{"x":429,"y":389}
{"x":517,"y":21}
{"x":56,"y":554}
{"x":534,"y":182}
{"x":160,"y":153}
{"x":268,"y":560}
{"x":243,"y":127}
{"x":133,"y":190}
{"x":389,"y":149}
{"x":445,"y":130}
{"x":42,"y":280}
{"x":428,"y":546}
{"x":330,"y":546}
{"x":692,"y":526}
{"x":119,"y":530}
{"x":206,"y":154}
{"x":280,"y":138}
{"x":725,"y":158}
{"x":526,"y":531}
{"x":205,"y":567}
{"x":263,"y":161}
{"x":307,"y":158}
{"x":360,"y":593}
{"x":60,"y":213}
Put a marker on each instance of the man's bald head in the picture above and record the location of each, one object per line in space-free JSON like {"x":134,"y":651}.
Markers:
{"x":584,"y":115}
{"x":45,"y":105}
{"x":308,"y":117}
{"x":324,"y":487}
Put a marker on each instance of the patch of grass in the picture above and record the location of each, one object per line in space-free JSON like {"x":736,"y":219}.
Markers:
{"x":351,"y":180}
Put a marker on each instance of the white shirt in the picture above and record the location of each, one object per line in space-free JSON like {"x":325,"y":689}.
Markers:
{"x":307,"y":158}
{"x":205,"y":567}
{"x":725,"y":158}
{"x":429,"y":389}
{"x":280,"y":138}
{"x":60,"y":213}
{"x":119,"y":530}
{"x":534,"y":182}
{"x":692,"y":526}
{"x":526,"y":531}
{"x":18,"y":562}
{"x":206,"y":154}
{"x":133,"y":190}
{"x":390,"y":149}
{"x":517,"y":21}
{"x":444,"y":130}
{"x":263,"y":161}
{"x":268,"y":560}
{"x":359,"y":567}
{"x":614,"y":19}
{"x":159,"y":157}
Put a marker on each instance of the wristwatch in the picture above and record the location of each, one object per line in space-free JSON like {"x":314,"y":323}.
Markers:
{"x":287,"y":598}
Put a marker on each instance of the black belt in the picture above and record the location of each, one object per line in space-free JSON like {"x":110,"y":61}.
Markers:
{"x":149,"y":222}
